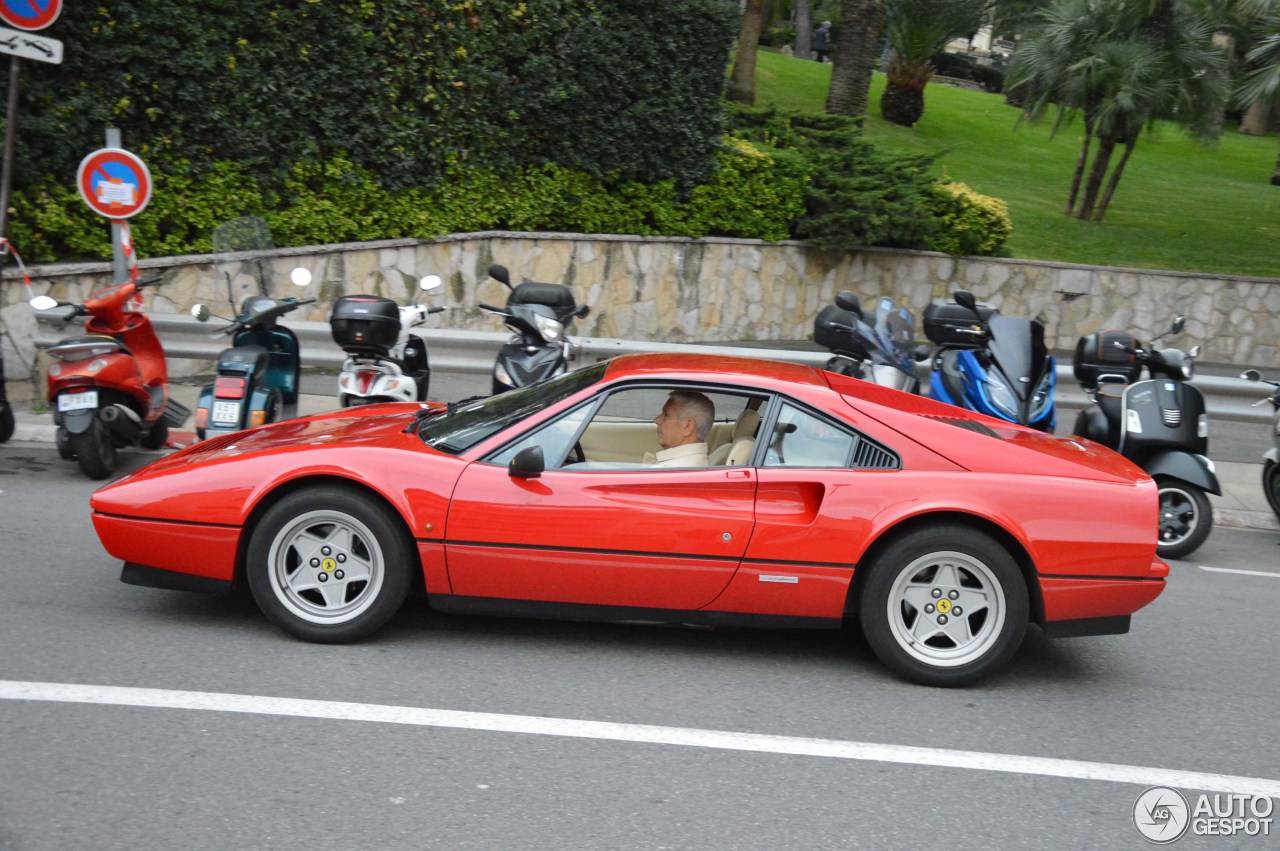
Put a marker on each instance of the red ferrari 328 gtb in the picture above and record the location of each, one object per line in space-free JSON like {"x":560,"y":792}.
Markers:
{"x":942,"y":532}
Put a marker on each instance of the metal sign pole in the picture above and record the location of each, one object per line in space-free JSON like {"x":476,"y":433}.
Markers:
{"x":119,"y":263}
{"x":10,"y":139}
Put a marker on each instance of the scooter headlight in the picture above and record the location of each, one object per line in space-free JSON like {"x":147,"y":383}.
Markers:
{"x":1042,"y":400}
{"x":1188,"y":369}
{"x":500,"y":373}
{"x":1001,"y":396}
{"x":550,"y":329}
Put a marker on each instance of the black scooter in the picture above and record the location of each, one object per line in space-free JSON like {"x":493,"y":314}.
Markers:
{"x":540,"y":315}
{"x":881,"y":351}
{"x":1159,"y":424}
{"x":1270,"y":460}
{"x":7,"y":423}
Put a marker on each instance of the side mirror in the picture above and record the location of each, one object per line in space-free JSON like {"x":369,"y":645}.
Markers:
{"x":921,"y":353}
{"x":430,"y":282}
{"x":44,"y":302}
{"x":301,"y":277}
{"x":528,"y":463}
{"x":582,"y":311}
{"x":499,"y":273}
{"x":1178,"y":325}
{"x":1194,"y":351}
{"x":200,"y":312}
{"x":1251,"y":375}
{"x":846,"y":300}
{"x":965,"y":299}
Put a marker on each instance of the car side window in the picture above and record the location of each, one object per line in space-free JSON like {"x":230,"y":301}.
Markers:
{"x":556,"y":439}
{"x":801,"y":439}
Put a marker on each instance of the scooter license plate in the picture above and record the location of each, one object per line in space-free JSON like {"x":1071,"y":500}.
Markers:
{"x":78,"y":401}
{"x":226,"y":412}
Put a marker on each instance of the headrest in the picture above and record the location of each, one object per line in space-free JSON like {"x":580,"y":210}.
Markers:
{"x":748,"y":422}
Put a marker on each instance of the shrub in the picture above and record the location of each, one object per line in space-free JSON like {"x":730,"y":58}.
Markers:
{"x":969,"y":222}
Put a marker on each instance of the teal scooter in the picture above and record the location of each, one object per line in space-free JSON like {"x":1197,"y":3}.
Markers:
{"x":258,"y":376}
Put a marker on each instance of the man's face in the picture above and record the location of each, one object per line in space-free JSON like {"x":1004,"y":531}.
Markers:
{"x":673,"y":430}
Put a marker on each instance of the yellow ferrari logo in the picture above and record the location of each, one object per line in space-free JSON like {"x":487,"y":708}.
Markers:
{"x":944,"y":606}
{"x":328,"y":565}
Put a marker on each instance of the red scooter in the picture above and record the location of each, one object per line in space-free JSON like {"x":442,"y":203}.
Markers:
{"x":110,"y":387}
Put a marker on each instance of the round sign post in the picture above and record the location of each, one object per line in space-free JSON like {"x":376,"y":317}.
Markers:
{"x":30,"y":15}
{"x":114,"y":183}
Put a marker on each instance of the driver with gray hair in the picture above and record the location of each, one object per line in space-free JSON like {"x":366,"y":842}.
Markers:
{"x":683,"y":427}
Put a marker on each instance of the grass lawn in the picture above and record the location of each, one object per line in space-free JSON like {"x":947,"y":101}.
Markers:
{"x":1180,"y":205}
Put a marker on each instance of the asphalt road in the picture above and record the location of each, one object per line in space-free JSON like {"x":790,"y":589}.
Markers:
{"x":1192,"y":688}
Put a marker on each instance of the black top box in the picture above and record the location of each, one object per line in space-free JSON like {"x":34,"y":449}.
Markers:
{"x":948,"y":324}
{"x":555,"y":296}
{"x":1098,"y":360}
{"x":832,"y":329}
{"x":365,"y":322}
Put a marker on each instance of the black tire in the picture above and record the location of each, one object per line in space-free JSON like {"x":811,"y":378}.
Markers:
{"x":1271,"y":485}
{"x":1186,"y":517}
{"x":366,"y":571}
{"x":62,"y":440}
{"x":95,"y":449}
{"x":156,"y":436}
{"x":7,"y":424}
{"x":942,"y":568}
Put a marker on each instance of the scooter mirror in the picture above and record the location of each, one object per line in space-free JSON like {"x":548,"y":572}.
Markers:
{"x":1251,"y":375}
{"x":301,"y":277}
{"x":921,"y":353}
{"x":846,"y":300}
{"x":1178,"y":325}
{"x":965,"y":299}
{"x":430,"y":282}
{"x":200,"y":312}
{"x":1194,"y":351}
{"x":582,"y":311}
{"x":499,"y":273}
{"x":44,"y":302}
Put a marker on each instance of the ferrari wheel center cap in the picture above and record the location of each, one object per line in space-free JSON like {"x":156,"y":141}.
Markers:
{"x":328,"y":565}
{"x":944,"y":606}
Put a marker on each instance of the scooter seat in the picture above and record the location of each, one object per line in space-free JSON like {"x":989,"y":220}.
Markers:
{"x":72,"y":345}
{"x":1111,"y":400}
{"x":246,"y":359}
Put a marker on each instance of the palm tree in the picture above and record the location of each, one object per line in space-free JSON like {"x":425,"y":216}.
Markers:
{"x":918,"y":29}
{"x":1262,"y":85}
{"x":742,"y":81}
{"x":854,"y":56}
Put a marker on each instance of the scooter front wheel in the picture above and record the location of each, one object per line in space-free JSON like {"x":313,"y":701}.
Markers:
{"x":95,"y":449}
{"x":1185,"y":518}
{"x":1271,"y":485}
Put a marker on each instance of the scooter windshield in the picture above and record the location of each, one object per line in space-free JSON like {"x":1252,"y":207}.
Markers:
{"x":1017,"y":347}
{"x":896,"y":328}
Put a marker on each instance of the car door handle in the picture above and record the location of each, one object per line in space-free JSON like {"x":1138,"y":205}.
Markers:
{"x":737,"y":474}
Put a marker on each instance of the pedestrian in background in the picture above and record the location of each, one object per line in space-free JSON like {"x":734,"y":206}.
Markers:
{"x":821,"y":41}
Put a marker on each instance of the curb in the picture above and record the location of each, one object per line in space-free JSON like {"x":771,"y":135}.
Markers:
{"x":1240,"y":518}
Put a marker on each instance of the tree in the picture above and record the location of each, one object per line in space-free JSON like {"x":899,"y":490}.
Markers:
{"x":804,"y":29}
{"x":1262,"y":85}
{"x":1122,"y":64}
{"x":742,"y":80}
{"x":855,"y":52}
{"x":917,"y":29}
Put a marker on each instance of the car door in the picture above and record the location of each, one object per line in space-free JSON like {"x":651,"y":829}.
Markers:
{"x":633,"y":536}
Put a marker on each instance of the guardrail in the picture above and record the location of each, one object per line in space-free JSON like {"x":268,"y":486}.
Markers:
{"x":473,"y":352}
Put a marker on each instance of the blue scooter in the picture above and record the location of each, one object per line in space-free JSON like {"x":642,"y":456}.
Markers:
{"x":995,"y":365}
{"x":258,"y":376}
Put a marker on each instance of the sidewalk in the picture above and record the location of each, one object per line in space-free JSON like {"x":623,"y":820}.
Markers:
{"x":1242,"y":503}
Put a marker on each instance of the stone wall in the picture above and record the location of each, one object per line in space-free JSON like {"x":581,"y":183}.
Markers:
{"x":680,"y":290}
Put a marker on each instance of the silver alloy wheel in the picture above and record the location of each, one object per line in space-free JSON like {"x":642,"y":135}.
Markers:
{"x":946,"y":609}
{"x":326,"y":567}
{"x":1179,"y":516}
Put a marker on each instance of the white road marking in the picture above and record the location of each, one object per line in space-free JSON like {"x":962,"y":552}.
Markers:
{"x":642,"y":733}
{"x":1243,"y":572}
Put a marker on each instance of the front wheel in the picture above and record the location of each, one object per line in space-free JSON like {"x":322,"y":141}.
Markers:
{"x":95,"y":449}
{"x":944,"y":606}
{"x":1271,"y":485}
{"x":330,"y":564}
{"x":157,"y":435}
{"x":1185,"y":518}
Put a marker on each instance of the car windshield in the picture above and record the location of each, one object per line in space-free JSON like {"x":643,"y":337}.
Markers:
{"x":461,"y":428}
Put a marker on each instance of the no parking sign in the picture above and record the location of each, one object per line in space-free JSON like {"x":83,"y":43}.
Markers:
{"x":114,"y":183}
{"x":30,"y":15}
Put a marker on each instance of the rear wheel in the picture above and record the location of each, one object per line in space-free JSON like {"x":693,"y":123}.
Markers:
{"x":95,"y":449}
{"x":1271,"y":485}
{"x":330,"y":564}
{"x":1185,"y":518}
{"x":944,"y":606}
{"x":156,"y":436}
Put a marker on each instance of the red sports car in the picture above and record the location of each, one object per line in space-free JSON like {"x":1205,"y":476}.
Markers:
{"x":809,"y":499}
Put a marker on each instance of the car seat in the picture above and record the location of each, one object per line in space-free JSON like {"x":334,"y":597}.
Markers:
{"x":743,"y":430}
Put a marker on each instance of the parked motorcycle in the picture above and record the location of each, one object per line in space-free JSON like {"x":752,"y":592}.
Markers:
{"x":1271,"y":460}
{"x":883,"y":353}
{"x":540,"y":316}
{"x":1160,"y":424}
{"x":996,"y":365}
{"x":385,"y":362}
{"x":109,"y":387}
{"x":258,"y":376}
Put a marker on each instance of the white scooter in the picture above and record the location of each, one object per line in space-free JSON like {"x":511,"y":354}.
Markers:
{"x":386,"y":361}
